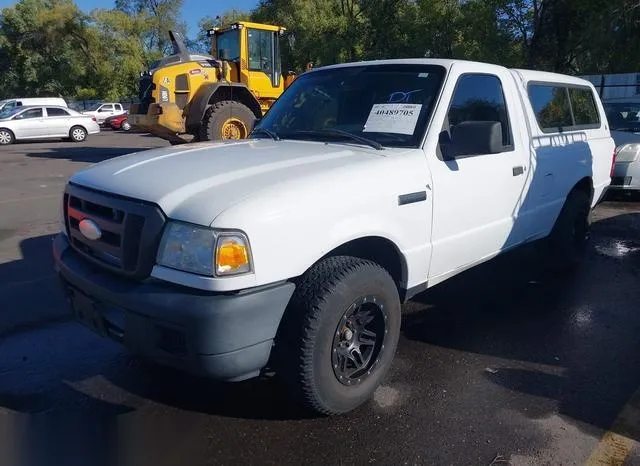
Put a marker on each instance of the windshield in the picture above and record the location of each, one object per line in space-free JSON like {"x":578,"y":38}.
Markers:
{"x":228,"y":45}
{"x":9,"y":112}
{"x":623,"y":116}
{"x":389,"y":104}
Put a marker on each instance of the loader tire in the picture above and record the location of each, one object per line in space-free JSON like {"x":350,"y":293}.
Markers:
{"x":227,"y":120}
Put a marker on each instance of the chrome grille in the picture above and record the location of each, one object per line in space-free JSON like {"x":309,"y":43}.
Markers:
{"x":130,"y":230}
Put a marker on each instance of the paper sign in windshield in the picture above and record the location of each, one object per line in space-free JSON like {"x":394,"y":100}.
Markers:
{"x":392,"y":118}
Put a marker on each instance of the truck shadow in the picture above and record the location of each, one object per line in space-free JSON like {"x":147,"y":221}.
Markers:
{"x":87,"y":154}
{"x":29,"y":290}
{"x":568,"y":339}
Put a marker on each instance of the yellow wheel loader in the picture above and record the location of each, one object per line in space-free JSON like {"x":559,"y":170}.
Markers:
{"x":189,"y":97}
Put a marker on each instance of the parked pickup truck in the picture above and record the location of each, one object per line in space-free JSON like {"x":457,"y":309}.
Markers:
{"x":365,"y":184}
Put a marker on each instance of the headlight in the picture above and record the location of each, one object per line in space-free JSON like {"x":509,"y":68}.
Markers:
{"x":627,"y":152}
{"x":204,"y":251}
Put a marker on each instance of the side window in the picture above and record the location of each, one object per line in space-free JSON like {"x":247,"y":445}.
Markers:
{"x":107,"y":108}
{"x":584,"y":108}
{"x":480,"y":98}
{"x":551,"y":106}
{"x":56,"y":112}
{"x":260,"y":51}
{"x":31,"y":113}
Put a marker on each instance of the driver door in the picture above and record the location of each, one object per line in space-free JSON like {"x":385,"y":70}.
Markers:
{"x":264,"y":63}
{"x":479,"y":197}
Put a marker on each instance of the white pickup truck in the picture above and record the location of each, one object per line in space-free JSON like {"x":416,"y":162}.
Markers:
{"x":365,"y":184}
{"x":104,"y":110}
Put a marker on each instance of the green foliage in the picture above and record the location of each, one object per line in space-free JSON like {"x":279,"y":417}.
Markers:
{"x":203,"y":42}
{"x":51,"y":47}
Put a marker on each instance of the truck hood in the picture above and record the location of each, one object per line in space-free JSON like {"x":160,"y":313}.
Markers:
{"x":196,"y":182}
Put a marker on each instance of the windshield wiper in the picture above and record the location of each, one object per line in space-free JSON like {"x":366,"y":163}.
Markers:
{"x":338,"y":132}
{"x":272,"y":134}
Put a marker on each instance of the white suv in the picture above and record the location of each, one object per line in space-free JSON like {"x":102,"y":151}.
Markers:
{"x":364,"y":184}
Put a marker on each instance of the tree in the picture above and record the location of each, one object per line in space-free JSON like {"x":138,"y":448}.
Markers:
{"x":160,"y":16}
{"x":202,"y":42}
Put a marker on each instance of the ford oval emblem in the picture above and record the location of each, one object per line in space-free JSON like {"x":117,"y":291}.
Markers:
{"x":89,"y":229}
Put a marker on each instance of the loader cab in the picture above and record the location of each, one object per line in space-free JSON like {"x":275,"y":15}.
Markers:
{"x":253,"y":51}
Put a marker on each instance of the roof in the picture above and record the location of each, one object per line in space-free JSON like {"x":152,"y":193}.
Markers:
{"x":532,"y":75}
{"x":447,"y":63}
{"x":526,"y":75}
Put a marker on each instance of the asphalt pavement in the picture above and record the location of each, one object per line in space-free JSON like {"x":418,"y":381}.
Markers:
{"x":501,"y":365}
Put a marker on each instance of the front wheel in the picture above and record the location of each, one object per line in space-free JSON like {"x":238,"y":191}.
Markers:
{"x":6,"y":137}
{"x":126,"y":126}
{"x":78,"y":134}
{"x":339,"y":334}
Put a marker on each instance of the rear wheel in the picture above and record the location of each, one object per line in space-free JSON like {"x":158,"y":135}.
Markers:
{"x":227,"y":120}
{"x":339,"y":334}
{"x":6,"y":137}
{"x":78,"y":134}
{"x":567,"y":244}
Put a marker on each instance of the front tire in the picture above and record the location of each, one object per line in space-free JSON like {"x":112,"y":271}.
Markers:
{"x":566,"y":246}
{"x":339,"y":334}
{"x":6,"y":137}
{"x":227,"y":120}
{"x":125,"y":126}
{"x":78,"y":134}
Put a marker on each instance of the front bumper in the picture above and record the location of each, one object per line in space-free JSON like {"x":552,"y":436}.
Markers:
{"x":226,"y":336}
{"x":163,"y":119}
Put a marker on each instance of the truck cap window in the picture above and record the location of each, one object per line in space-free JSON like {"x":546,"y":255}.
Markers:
{"x":389,"y":104}
{"x":561,"y":107}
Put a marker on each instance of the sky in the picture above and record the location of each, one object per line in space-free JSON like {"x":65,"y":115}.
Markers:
{"x":192,"y":10}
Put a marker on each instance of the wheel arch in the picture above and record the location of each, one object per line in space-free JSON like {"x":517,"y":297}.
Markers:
{"x":586,"y":185}
{"x":84,"y":128}
{"x":8,"y":129}
{"x":210,"y":94}
{"x":380,"y":250}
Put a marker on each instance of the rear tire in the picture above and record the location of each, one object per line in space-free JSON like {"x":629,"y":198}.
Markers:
{"x":227,"y":120}
{"x":78,"y":134}
{"x":566,"y":246}
{"x":6,"y":137}
{"x":339,"y":334}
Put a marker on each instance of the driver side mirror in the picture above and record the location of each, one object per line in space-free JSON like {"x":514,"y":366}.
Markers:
{"x":472,"y":138}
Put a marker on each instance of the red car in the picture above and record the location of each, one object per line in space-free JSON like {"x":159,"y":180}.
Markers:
{"x":118,"y":122}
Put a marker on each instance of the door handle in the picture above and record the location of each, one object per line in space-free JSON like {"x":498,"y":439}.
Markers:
{"x":519,"y":170}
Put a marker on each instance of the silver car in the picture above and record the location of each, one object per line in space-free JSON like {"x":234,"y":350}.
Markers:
{"x":624,"y":120}
{"x":45,"y":122}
